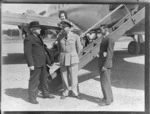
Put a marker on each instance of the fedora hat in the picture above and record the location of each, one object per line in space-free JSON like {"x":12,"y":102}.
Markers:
{"x":34,"y":24}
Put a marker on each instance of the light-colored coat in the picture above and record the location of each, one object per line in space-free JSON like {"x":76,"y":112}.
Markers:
{"x":69,"y":48}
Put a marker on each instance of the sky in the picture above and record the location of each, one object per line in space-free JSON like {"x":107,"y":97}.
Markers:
{"x":21,"y":8}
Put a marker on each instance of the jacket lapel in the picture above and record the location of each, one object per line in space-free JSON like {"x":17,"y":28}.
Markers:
{"x":37,"y":39}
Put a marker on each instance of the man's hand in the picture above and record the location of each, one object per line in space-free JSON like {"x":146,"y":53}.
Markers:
{"x":105,"y":54}
{"x":104,"y":69}
{"x":97,"y":55}
{"x":31,"y":68}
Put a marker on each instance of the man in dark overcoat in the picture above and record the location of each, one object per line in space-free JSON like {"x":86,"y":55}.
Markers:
{"x":35,"y":55}
{"x":105,"y":65}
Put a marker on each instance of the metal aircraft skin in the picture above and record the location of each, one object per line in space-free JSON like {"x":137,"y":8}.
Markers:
{"x":86,"y":15}
{"x":83,"y":16}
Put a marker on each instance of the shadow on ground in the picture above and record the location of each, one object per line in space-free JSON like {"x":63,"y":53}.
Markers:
{"x":90,"y":98}
{"x":23,"y":93}
{"x":14,"y":58}
{"x":124,"y":74}
{"x":17,"y":93}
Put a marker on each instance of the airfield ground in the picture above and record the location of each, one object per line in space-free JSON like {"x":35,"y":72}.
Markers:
{"x":127,"y":83}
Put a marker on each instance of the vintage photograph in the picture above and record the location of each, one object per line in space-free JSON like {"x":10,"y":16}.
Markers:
{"x":73,"y":57}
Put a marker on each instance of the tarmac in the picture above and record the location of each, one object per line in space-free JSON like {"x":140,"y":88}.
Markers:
{"x":127,"y":80}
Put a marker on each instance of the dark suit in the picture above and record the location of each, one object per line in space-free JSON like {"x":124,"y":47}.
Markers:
{"x":105,"y":60}
{"x":35,"y":56}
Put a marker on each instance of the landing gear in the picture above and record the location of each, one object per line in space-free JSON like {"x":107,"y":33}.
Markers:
{"x":137,"y":46}
{"x":142,"y":48}
{"x":134,"y":47}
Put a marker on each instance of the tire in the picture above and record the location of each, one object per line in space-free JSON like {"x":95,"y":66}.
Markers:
{"x":142,"y":48}
{"x":134,"y":48}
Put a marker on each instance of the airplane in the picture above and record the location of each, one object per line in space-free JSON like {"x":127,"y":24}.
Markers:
{"x":83,"y":16}
{"x":121,"y":19}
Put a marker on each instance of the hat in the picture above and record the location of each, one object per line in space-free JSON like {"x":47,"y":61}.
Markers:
{"x":66,"y":24}
{"x":34,"y":24}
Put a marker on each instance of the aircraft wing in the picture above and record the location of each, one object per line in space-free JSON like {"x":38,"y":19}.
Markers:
{"x":25,"y":19}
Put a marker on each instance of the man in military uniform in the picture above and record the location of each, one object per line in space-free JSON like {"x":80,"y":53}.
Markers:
{"x":35,"y":55}
{"x":69,"y":46}
{"x":105,"y":65}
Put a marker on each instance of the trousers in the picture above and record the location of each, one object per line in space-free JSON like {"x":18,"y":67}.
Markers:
{"x":106,"y":85}
{"x":69,"y":75}
{"x":38,"y":76}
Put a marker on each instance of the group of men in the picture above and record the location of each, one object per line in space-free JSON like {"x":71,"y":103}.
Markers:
{"x":69,"y":47}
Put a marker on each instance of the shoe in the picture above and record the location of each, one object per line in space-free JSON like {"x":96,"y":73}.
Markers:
{"x":63,"y":97}
{"x":103,"y":103}
{"x":50,"y":96}
{"x":78,"y":97}
{"x":33,"y":101}
{"x":103,"y":100}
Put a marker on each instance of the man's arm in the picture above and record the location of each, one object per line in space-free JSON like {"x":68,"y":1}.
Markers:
{"x":58,"y":43}
{"x":79,"y":46}
{"x":28,"y":52}
{"x":110,"y":50}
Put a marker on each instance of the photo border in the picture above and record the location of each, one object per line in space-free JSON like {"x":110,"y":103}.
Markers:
{"x":147,"y":45}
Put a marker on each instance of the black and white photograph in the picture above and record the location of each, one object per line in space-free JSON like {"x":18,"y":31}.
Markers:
{"x":73,"y":57}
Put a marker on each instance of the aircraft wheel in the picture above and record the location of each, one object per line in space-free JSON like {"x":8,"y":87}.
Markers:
{"x":142,"y":48}
{"x":133,"y":47}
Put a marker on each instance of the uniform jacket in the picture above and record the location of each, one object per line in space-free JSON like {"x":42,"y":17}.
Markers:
{"x":106,"y":47}
{"x":69,"y":47}
{"x":34,"y":51}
